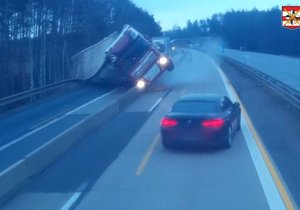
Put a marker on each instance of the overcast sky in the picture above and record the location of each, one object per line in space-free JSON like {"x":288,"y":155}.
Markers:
{"x":177,"y":12}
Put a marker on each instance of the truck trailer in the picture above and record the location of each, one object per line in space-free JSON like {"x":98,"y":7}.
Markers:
{"x":131,"y":58}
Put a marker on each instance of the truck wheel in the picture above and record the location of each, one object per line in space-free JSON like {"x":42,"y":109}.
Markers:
{"x":171,"y":65}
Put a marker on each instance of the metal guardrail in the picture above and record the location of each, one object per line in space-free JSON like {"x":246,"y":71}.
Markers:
{"x":291,"y":94}
{"x":32,"y":93}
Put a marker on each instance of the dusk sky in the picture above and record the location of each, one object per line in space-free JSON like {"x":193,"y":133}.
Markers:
{"x":177,"y":12}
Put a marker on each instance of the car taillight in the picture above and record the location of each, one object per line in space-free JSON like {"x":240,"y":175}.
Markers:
{"x":167,"y":122}
{"x":213,"y":123}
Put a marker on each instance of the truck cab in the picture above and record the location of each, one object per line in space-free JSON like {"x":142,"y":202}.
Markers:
{"x":134,"y":55}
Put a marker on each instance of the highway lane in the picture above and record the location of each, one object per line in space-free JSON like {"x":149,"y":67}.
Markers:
{"x":101,"y":174}
{"x":213,"y":179}
{"x":277,"y":122}
{"x":41,"y":123}
{"x":155,"y":178}
{"x":22,"y":120}
{"x":79,"y":169}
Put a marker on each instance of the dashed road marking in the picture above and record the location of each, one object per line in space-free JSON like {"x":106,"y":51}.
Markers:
{"x":155,"y":105}
{"x":74,"y":198}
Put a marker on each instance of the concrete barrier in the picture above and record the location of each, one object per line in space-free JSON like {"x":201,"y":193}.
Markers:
{"x":50,"y":151}
{"x":33,"y":163}
{"x":11,"y":178}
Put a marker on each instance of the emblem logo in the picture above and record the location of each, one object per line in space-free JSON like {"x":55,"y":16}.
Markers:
{"x":291,"y":17}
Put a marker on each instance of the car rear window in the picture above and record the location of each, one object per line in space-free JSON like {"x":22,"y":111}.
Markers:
{"x":196,"y":107}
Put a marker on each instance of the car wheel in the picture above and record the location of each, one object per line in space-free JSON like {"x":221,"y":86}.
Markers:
{"x":170,"y":66}
{"x":228,"y":142}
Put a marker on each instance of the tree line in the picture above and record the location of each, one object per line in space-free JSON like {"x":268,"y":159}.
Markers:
{"x":38,"y":37}
{"x":254,"y":30}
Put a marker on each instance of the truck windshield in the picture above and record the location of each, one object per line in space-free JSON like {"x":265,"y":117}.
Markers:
{"x":136,"y":51}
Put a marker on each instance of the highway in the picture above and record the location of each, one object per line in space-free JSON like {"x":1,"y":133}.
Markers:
{"x":122,"y":165}
{"x":31,"y":126}
{"x":34,"y":115}
{"x":276,"y":121}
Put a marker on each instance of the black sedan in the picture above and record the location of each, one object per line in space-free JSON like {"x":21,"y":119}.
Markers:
{"x":201,"y":120}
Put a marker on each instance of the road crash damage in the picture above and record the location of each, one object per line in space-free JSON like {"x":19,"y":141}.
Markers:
{"x":130,"y":58}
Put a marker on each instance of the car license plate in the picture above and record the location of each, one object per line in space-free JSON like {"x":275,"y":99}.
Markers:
{"x":189,"y":137}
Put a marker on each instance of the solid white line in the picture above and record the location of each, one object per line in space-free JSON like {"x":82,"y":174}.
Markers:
{"x":155,"y":105}
{"x":5,"y":146}
{"x":88,"y":103}
{"x":74,"y":197}
{"x":71,"y":201}
{"x":51,"y":122}
{"x":46,"y":121}
{"x":271,"y":192}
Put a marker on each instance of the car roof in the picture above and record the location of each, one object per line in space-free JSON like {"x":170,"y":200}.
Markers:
{"x":202,"y":97}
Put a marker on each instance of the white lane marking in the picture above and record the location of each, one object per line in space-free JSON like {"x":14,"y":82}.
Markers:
{"x":271,"y":192}
{"x":46,"y":121}
{"x":74,"y":197}
{"x":88,"y":103}
{"x":155,"y":105}
{"x":5,"y":146}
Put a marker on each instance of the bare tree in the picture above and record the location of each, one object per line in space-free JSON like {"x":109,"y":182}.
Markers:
{"x":38,"y":37}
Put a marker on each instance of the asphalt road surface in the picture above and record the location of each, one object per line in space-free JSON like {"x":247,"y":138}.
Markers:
{"x":26,"y":128}
{"x":22,"y":120}
{"x":276,"y":121}
{"x":124,"y":166}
